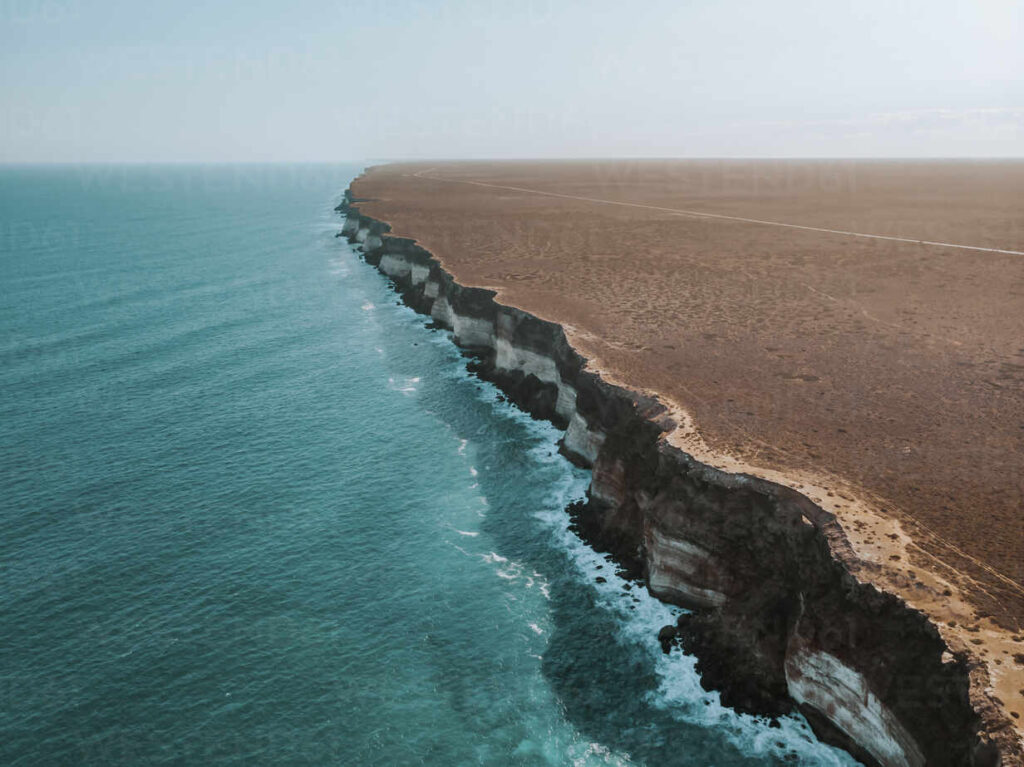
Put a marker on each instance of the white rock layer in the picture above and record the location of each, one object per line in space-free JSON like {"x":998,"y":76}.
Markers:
{"x":823,"y":682}
{"x":681,"y":569}
{"x":580,"y":439}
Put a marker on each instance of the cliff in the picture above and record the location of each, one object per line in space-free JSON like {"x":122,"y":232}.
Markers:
{"x":780,"y":619}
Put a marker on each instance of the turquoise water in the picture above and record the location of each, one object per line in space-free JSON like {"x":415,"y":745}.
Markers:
{"x":255,"y":512}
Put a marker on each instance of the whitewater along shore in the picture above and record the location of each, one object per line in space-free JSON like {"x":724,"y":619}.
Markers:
{"x":806,"y":591}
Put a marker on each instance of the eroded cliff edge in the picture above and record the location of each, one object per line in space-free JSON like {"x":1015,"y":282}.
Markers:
{"x":779,"y":618}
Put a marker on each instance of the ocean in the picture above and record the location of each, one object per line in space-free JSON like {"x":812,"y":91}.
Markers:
{"x":254,"y":511}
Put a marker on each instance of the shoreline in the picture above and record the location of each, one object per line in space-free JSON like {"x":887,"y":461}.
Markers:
{"x":623,"y":435}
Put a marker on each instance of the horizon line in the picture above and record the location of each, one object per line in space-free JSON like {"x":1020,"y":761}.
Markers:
{"x":591,"y":158}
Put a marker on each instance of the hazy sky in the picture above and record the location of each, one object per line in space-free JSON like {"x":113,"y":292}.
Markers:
{"x":383,"y":79}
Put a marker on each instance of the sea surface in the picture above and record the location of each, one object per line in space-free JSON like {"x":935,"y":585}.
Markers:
{"x":253,"y":511}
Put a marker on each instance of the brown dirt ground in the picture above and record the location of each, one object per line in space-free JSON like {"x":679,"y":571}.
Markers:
{"x":887,"y":372}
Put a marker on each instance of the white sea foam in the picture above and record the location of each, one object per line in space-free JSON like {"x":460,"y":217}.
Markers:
{"x":405,"y":386}
{"x":340,"y":267}
{"x":459,"y":548}
{"x":679,"y":691}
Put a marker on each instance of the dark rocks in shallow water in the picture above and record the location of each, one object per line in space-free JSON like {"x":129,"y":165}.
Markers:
{"x":667,"y":638}
{"x":599,"y":579}
{"x":582,"y":523}
{"x":736,"y":669}
{"x":529,"y":393}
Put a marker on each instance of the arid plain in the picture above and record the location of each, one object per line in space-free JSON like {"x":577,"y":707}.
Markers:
{"x":883,"y":375}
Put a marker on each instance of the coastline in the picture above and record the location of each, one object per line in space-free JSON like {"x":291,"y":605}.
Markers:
{"x":832,"y":634}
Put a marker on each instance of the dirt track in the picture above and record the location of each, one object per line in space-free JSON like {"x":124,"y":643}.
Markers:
{"x":895,"y":367}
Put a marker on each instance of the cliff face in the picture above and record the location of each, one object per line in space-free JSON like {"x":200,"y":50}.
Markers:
{"x":778,"y":620}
